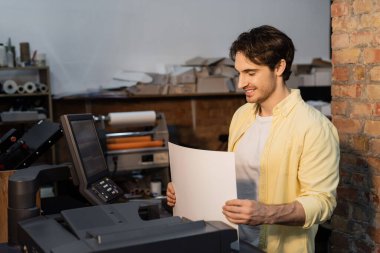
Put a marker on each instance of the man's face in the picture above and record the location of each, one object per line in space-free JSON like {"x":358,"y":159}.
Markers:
{"x":258,"y":81}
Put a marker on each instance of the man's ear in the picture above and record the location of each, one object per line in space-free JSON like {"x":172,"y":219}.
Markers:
{"x":280,"y":67}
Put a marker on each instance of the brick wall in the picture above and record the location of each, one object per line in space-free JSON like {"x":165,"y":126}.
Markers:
{"x":355,"y":43}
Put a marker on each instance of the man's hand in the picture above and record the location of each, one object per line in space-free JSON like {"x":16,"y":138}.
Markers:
{"x":170,"y":195}
{"x":251,"y":212}
{"x":244,"y":211}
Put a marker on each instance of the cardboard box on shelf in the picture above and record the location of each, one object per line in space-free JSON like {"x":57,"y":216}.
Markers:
{"x":301,"y":69}
{"x":301,"y":76}
{"x":317,"y":77}
{"x":318,"y":73}
{"x":211,"y":64}
{"x":322,"y":76}
{"x":201,"y":72}
{"x":307,"y":80}
{"x":182,"y":74}
{"x":185,"y":88}
{"x":159,"y":78}
{"x":226,"y":71}
{"x":148,"y":89}
{"x":215,"y":84}
{"x":227,"y":62}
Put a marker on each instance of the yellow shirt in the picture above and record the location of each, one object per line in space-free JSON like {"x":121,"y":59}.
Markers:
{"x":299,"y":162}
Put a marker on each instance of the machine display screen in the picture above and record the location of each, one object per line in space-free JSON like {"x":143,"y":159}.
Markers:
{"x":89,"y":149}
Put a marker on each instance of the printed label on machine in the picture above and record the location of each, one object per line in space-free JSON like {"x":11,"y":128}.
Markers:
{"x":162,"y":157}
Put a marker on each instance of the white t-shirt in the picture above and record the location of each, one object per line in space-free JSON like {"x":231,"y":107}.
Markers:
{"x":247,"y":159}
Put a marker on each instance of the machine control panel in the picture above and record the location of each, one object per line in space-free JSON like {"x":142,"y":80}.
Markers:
{"x":106,"y":189}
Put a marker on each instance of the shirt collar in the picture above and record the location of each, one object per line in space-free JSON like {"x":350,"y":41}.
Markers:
{"x":285,"y":106}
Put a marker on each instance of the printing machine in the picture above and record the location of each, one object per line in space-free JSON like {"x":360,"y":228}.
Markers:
{"x":141,"y":145}
{"x":113,"y":227}
{"x":117,"y":228}
{"x":113,"y":224}
{"x":136,"y":141}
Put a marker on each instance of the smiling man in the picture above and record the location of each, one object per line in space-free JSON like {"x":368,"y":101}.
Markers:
{"x":287,"y":153}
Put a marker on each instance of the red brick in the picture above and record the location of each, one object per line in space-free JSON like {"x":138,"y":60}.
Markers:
{"x":358,"y":228}
{"x":362,"y":6}
{"x":358,"y":73}
{"x":345,"y":125}
{"x":361,"y":38}
{"x":339,"y":41}
{"x":361,"y":213}
{"x":372,"y":127}
{"x":374,"y":165}
{"x":335,"y":90}
{"x":374,"y":200}
{"x":340,"y":241}
{"x":345,"y":24}
{"x":343,"y":208}
{"x":347,"y":55}
{"x":349,"y":90}
{"x":360,"y":180}
{"x":341,"y":223}
{"x":344,"y":176}
{"x":339,"y":107}
{"x":375,"y":73}
{"x":361,"y":110}
{"x":374,"y":146}
{"x":347,"y":193}
{"x":373,"y":91}
{"x":352,"y":91}
{"x":339,"y":9}
{"x":348,"y":161}
{"x":363,"y":246}
{"x":374,"y":234}
{"x":376,"y":183}
{"x":371,"y":55}
{"x":376,"y":38}
{"x":376,"y":111}
{"x":340,"y":74}
{"x":370,"y":20}
{"x":360,"y":143}
{"x":376,"y":220}
{"x":344,"y":140}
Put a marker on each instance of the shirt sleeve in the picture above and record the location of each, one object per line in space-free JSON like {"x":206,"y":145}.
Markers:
{"x":319,"y":173}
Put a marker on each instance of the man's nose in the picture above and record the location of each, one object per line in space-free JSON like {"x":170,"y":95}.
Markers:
{"x":242,"y":82}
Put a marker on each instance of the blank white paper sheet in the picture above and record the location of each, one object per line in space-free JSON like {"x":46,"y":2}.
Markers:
{"x":203,"y":181}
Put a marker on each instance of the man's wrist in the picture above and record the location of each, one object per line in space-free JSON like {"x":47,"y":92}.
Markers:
{"x":286,"y":214}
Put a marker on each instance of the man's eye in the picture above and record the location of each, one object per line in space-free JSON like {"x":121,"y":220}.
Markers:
{"x":251,"y":73}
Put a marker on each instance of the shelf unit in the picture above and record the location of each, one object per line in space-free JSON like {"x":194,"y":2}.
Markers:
{"x":21,"y":75}
{"x":40,"y":101}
